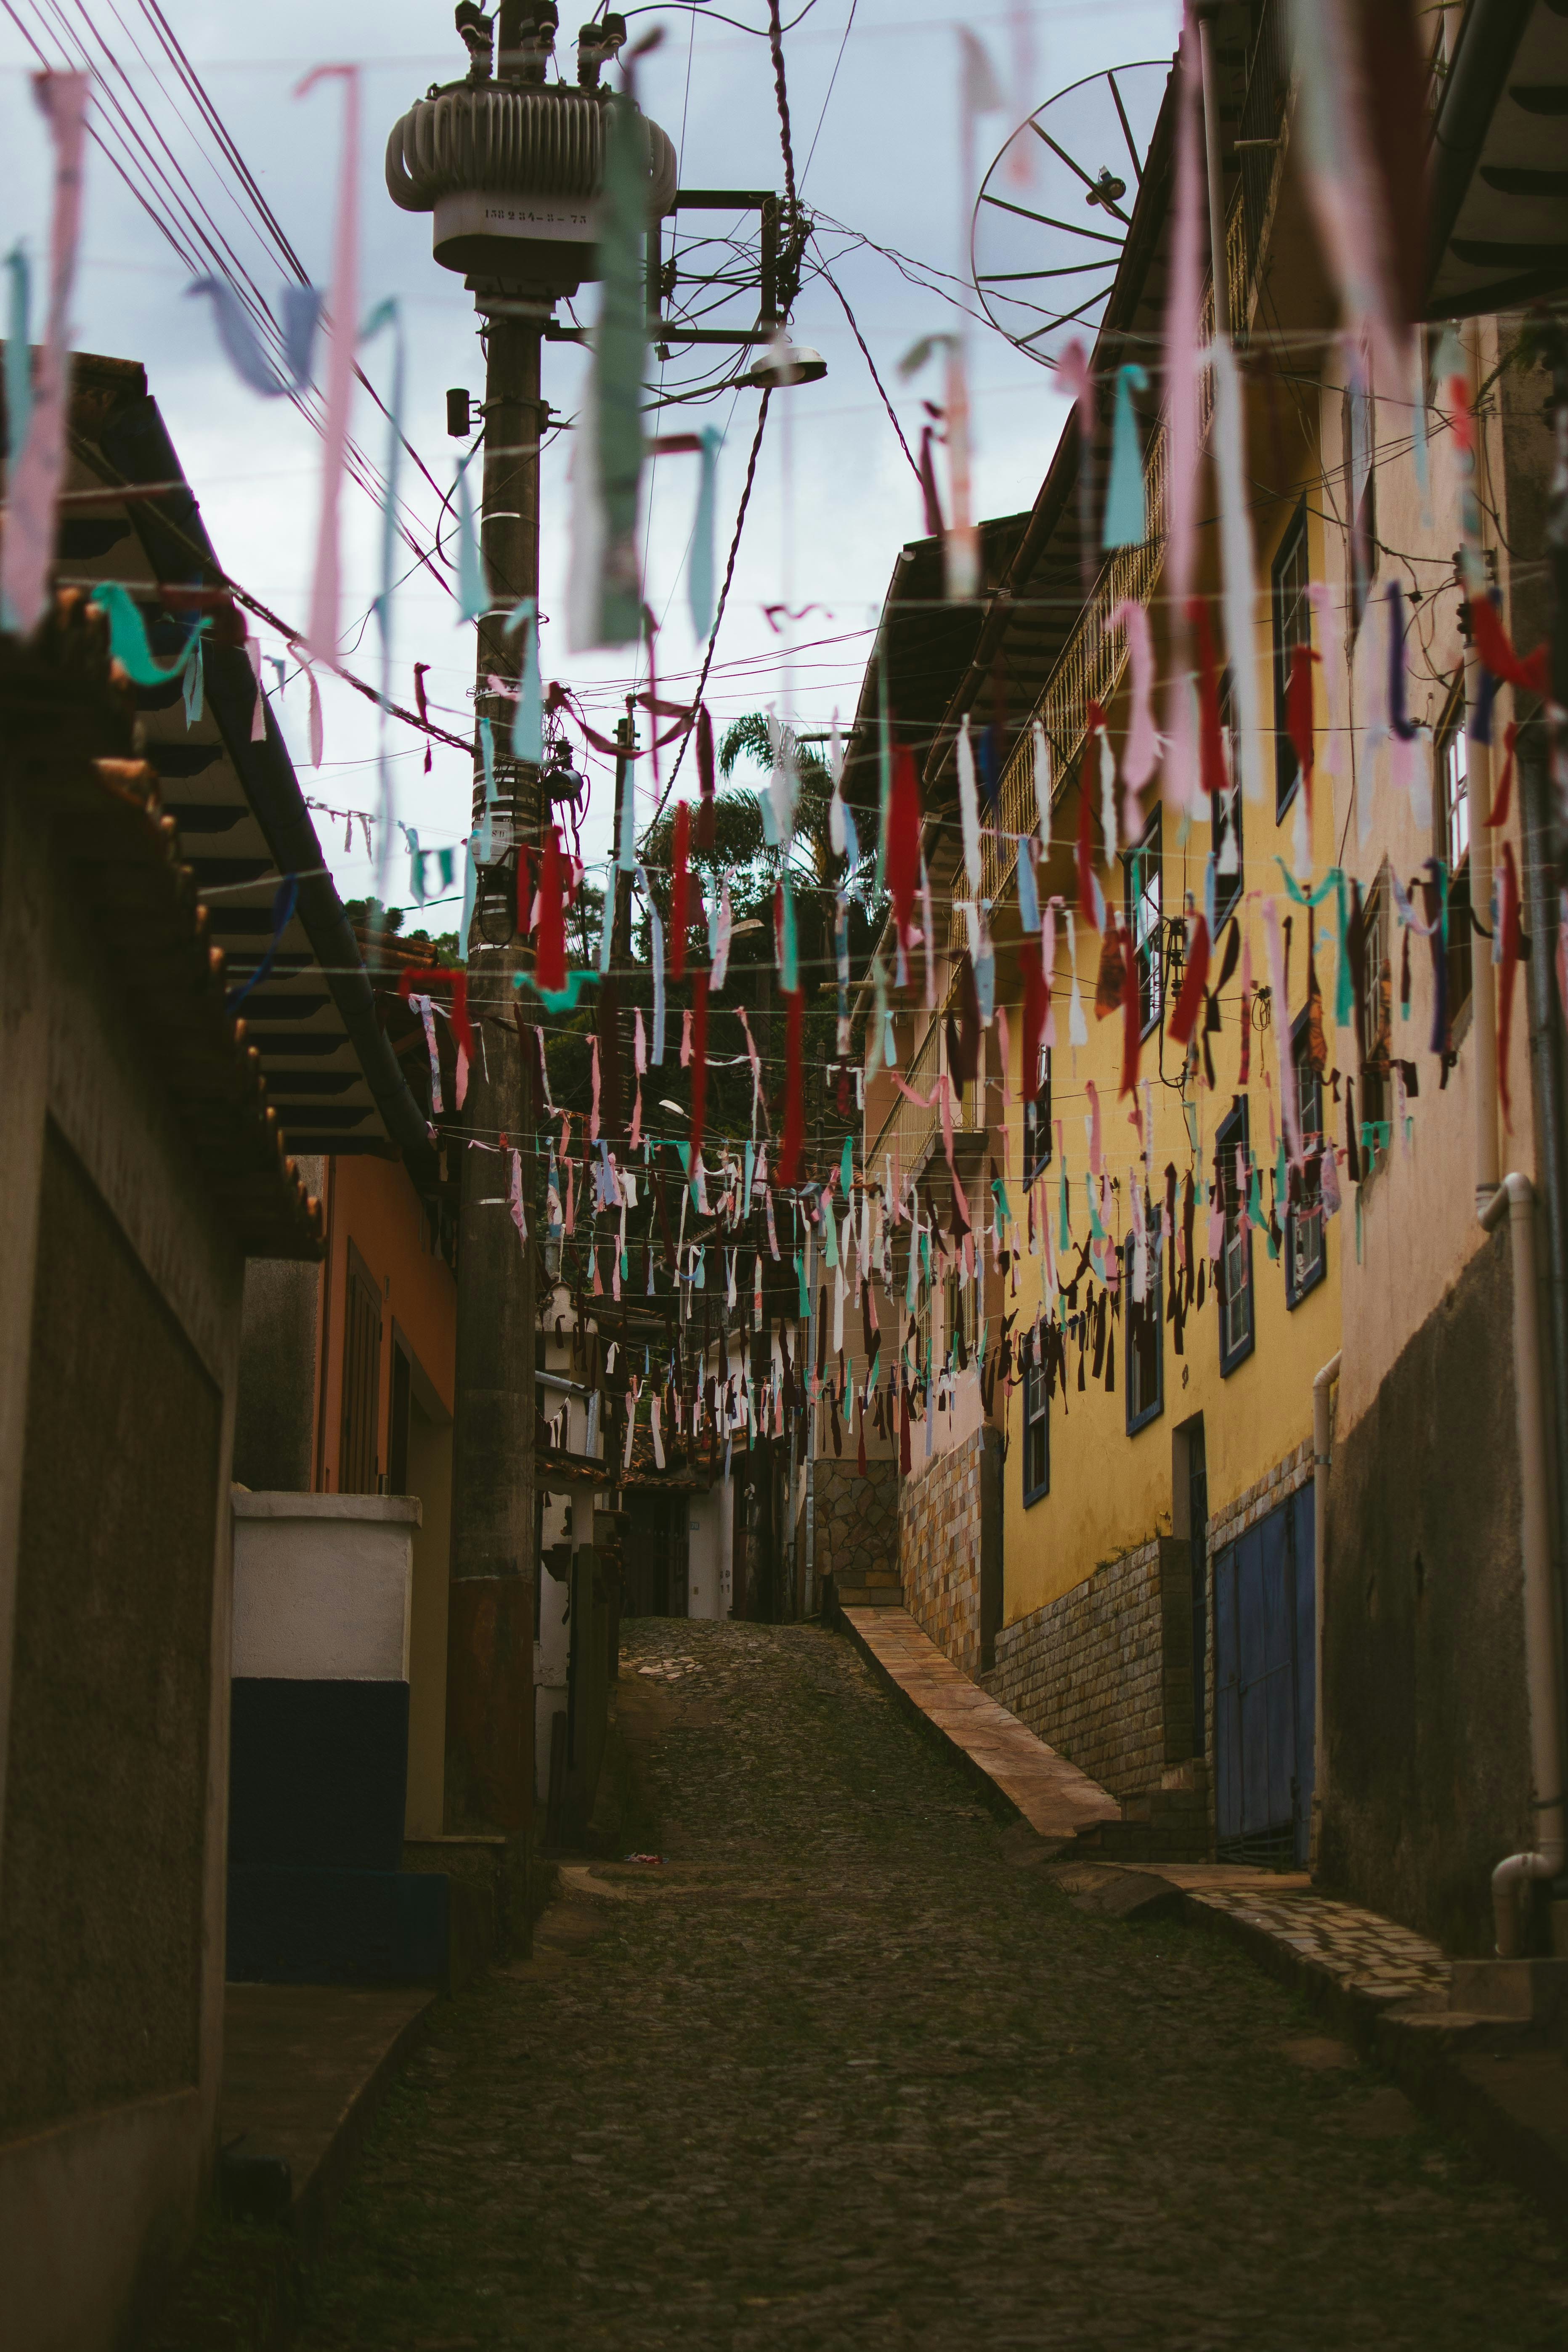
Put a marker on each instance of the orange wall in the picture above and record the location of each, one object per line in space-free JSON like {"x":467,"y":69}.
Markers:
{"x":371,"y":1204}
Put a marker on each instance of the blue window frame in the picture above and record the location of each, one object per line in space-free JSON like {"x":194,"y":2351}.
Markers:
{"x":1237,"y":1299}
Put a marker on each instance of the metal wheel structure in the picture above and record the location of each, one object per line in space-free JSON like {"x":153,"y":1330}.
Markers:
{"x":1055,"y":207}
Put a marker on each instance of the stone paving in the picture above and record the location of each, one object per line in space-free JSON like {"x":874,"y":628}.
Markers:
{"x":1362,"y":1951}
{"x":836,"y":2072}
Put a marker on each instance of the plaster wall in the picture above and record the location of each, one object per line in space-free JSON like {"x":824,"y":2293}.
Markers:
{"x":373,"y":1207}
{"x":1426,"y":1717}
{"x":322,"y":1585}
{"x":1418,"y":1221}
{"x":99,"y":2196}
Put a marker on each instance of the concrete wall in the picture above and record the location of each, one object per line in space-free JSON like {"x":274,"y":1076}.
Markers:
{"x":119,"y":1316}
{"x":275,"y":1417}
{"x":373,"y":1207}
{"x":950,"y":1547}
{"x":322,"y":1585}
{"x":1104,"y":1673}
{"x":1424,"y":1715}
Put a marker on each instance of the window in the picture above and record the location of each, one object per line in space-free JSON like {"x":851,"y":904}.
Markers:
{"x":1374,"y":1009}
{"x":1036,"y":1434}
{"x":1233,"y":1176}
{"x":1226,"y":819}
{"x":1292,"y":628}
{"x":1453,"y":819}
{"x":1145,"y":1327}
{"x":1142,"y":896}
{"x":1359,"y":434}
{"x":1038,"y":1120}
{"x":1306,"y":1248}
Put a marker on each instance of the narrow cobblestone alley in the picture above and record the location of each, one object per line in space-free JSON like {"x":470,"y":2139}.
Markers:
{"x":842,"y":2073}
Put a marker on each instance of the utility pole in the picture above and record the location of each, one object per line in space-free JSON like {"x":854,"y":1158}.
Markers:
{"x":490,"y":1656}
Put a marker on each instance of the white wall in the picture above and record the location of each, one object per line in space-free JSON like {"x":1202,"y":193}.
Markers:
{"x":322,"y":1586}
{"x":709,"y":1579}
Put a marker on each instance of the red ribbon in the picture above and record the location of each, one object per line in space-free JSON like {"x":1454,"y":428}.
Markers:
{"x":422,"y":976}
{"x":1094,"y":719}
{"x":550,"y":948}
{"x":704,"y":777}
{"x":1505,"y":787}
{"x":1194,"y":981}
{"x":903,"y":859}
{"x":1497,"y":650}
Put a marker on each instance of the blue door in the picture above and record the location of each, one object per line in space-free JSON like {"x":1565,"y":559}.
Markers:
{"x":1264,"y":1695}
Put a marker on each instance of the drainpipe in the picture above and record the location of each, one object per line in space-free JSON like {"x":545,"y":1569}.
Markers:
{"x":1515,"y":1199}
{"x":1321,"y":1457}
{"x":1483,"y":998}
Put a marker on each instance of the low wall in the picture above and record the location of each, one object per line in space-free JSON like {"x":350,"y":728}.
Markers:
{"x":950,"y":1548}
{"x":1104,"y":1673}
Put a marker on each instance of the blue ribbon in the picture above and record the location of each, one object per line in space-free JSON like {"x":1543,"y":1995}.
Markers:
{"x":301,"y":309}
{"x":284,"y":899}
{"x":1126,"y":523}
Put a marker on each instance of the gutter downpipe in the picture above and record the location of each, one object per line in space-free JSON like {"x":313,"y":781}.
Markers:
{"x":1322,"y":1455}
{"x":1515,"y":1199}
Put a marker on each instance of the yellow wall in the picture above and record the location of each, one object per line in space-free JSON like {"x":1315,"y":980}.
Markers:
{"x":1109,"y":1491}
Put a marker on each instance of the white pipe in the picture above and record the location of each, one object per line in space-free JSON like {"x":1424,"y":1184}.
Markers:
{"x":1321,"y":1457}
{"x":1483,"y":998}
{"x":1515,"y":1197}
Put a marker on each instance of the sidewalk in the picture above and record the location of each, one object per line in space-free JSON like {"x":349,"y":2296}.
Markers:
{"x":1480,"y":2046}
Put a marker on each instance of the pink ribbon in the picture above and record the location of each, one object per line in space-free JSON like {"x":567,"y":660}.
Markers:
{"x":35,"y":486}
{"x":342,"y":329}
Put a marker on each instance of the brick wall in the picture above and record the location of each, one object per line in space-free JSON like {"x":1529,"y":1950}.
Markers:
{"x":947,"y":1535}
{"x":856,"y":1520}
{"x":1234,"y":1519}
{"x":1104,"y":1673}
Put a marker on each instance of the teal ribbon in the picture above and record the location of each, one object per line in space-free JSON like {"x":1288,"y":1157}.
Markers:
{"x":473,"y":589}
{"x":18,"y":354}
{"x":700,"y":566}
{"x":558,"y":1000}
{"x":528,"y":717}
{"x":1126,"y":523}
{"x":128,"y":637}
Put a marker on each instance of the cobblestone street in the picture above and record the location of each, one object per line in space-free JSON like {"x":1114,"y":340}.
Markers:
{"x":840,"y":2072}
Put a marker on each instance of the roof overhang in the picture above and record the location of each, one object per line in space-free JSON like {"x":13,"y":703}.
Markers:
{"x":331,"y":1072}
{"x":1498,"y":233}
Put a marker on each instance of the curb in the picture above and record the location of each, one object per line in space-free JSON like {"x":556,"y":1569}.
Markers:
{"x":1501,"y":2086}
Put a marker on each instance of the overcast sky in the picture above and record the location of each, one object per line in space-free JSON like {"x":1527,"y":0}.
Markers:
{"x":883,"y":160}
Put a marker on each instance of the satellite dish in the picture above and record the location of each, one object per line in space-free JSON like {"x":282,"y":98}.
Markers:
{"x":1055,"y":208}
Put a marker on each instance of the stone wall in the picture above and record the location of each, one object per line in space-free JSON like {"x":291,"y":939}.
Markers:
{"x":1104,"y":1673}
{"x":857,"y":1521}
{"x":950,"y":1548}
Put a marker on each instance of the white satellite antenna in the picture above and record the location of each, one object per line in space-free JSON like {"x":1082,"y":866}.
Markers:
{"x":1055,"y":208}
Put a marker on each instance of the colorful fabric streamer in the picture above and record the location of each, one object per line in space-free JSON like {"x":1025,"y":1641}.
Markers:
{"x":325,"y":589}
{"x":301,"y":309}
{"x":1126,"y":523}
{"x":33,"y":481}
